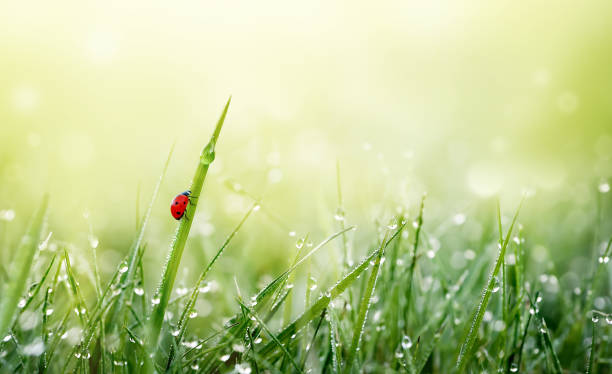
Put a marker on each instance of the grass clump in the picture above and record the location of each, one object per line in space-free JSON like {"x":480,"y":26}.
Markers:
{"x":410,"y":294}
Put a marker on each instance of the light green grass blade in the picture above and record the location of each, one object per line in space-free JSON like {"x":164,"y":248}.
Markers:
{"x":182,"y":324}
{"x":20,"y":269}
{"x":126,"y":278}
{"x":466,"y":348}
{"x":174,"y":258}
{"x":317,"y":308}
{"x":272,"y":336}
{"x":419,"y":223}
{"x":364,"y":307}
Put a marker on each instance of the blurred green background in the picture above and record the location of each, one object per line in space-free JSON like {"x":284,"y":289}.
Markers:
{"x":464,"y":100}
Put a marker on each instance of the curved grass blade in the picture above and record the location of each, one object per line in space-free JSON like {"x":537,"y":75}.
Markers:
{"x":174,"y":258}
{"x":22,"y":264}
{"x":468,"y":343}
{"x":317,"y":308}
{"x":272,"y":336}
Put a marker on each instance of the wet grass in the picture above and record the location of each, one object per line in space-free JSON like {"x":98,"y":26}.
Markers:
{"x":394,"y":305}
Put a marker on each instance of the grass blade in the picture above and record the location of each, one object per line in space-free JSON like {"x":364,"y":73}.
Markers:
{"x":22,"y":264}
{"x":170,"y":269}
{"x":182,"y":325}
{"x":468,"y":343}
{"x":365,"y":306}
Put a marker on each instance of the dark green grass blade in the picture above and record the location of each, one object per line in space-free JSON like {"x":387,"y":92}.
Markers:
{"x":544,"y":331}
{"x":591,"y":362}
{"x":466,"y":348}
{"x":20,"y":269}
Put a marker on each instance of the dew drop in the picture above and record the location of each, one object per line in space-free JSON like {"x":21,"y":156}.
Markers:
{"x":399,"y":354}
{"x":292,"y":233}
{"x":257,"y":340}
{"x":513,"y":368}
{"x":6,"y":338}
{"x":256,"y":208}
{"x":21,"y":303}
{"x":49,"y":311}
{"x":299,"y":244}
{"x":604,"y":187}
{"x":123,"y":269}
{"x":609,"y":319}
{"x":155,"y":300}
{"x":176,"y":332}
{"x":406,"y":342}
{"x":595,"y":318}
{"x":193,"y":315}
{"x":138,"y":291}
{"x":224,"y":358}
{"x":289,"y":286}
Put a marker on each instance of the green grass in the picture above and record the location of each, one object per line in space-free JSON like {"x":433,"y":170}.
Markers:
{"x":405,"y":305}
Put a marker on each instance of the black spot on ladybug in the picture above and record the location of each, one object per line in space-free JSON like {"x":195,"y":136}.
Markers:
{"x":184,"y":203}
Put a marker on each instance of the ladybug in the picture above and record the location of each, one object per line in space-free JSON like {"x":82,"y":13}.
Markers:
{"x":179,"y":204}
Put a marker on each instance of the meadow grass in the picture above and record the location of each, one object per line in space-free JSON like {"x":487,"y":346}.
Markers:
{"x":394,"y":305}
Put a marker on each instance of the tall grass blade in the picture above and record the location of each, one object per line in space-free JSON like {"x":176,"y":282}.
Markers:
{"x":415,"y":246}
{"x":174,"y":258}
{"x":182,"y":324}
{"x":466,"y":348}
{"x":20,"y":269}
{"x":365,"y":306}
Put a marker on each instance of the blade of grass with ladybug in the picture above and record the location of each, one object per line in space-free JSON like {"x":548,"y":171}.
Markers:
{"x":162,"y":295}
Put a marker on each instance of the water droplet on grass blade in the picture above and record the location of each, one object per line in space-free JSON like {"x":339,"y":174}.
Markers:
{"x":604,"y":187}
{"x":193,"y":315}
{"x":138,"y":291}
{"x":155,"y":300}
{"x":406,"y":342}
{"x":595,"y":318}
{"x":21,"y":304}
{"x":224,"y":358}
{"x":123,"y":269}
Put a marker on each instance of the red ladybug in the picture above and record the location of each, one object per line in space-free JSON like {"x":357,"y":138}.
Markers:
{"x":179,"y":204}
